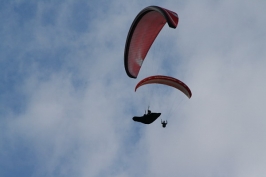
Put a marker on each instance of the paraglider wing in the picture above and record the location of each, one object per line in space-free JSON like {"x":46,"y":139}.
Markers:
{"x":166,"y":80}
{"x":147,"y":119}
{"x":143,"y":31}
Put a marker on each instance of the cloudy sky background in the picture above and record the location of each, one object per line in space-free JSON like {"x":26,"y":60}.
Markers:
{"x":66,"y":102}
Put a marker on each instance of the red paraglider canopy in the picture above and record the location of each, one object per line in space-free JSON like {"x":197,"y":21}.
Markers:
{"x":166,"y":80}
{"x":143,"y":31}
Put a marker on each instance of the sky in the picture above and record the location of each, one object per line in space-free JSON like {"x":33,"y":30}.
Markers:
{"x":66,"y":103}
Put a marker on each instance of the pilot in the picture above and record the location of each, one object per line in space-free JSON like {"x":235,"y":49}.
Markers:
{"x":163,"y":123}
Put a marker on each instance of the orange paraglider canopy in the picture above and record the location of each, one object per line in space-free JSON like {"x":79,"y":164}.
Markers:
{"x":166,"y":80}
{"x":142,"y":33}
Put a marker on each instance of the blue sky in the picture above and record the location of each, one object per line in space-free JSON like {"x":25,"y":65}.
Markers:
{"x":66,"y":103}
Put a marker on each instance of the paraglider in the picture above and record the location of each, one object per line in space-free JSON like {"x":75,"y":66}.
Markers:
{"x":147,"y":118}
{"x":142,"y":33}
{"x":164,"y":80}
